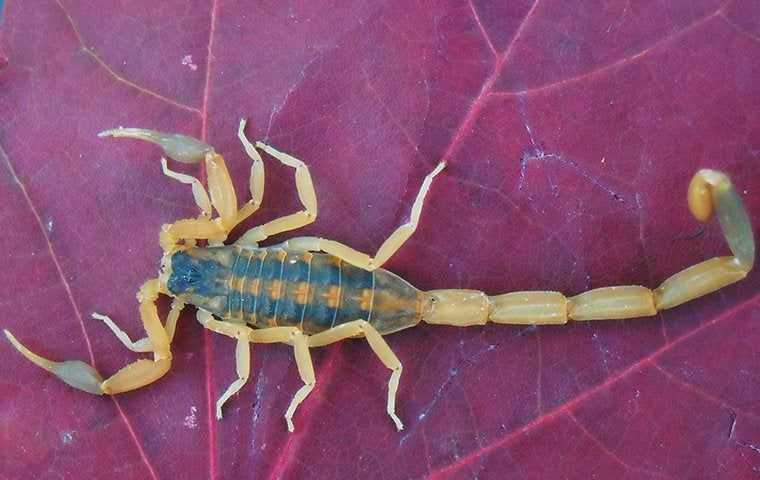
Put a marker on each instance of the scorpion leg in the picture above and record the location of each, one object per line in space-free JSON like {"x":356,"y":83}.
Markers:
{"x":242,"y":353}
{"x":137,"y":374}
{"x":386,"y":250}
{"x":143,"y":345}
{"x":246,"y":335}
{"x":199,"y":192}
{"x":306,"y":194}
{"x":300,"y":341}
{"x":256,"y":180}
{"x":305,"y":371}
{"x":378,"y":345}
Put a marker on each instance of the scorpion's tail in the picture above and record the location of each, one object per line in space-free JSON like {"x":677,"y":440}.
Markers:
{"x":709,"y":192}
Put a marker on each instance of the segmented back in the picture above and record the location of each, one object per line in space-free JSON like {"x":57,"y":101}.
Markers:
{"x":270,"y":287}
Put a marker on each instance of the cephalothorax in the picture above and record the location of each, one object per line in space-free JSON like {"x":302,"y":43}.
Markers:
{"x":310,"y":292}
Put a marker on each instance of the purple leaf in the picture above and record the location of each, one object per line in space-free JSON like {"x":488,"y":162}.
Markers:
{"x":571,"y":130}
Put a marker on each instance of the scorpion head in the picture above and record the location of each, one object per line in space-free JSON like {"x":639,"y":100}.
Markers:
{"x":186,"y":274}
{"x":198,"y":276}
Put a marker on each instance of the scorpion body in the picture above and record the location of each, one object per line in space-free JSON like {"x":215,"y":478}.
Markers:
{"x":309,"y":292}
{"x":272,"y":287}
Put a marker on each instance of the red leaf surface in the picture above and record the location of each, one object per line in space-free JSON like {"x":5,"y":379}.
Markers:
{"x":571,"y":131}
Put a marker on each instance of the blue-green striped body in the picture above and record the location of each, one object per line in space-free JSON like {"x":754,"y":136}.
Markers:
{"x":270,"y":287}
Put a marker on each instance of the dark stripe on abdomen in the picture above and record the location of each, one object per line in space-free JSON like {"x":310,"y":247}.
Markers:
{"x":269,"y":288}
{"x":237,"y":280}
{"x":356,"y":294}
{"x":252,"y":287}
{"x":324,"y":293}
{"x":295,"y":279}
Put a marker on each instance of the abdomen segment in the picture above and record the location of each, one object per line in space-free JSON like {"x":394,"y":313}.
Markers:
{"x":315,"y":292}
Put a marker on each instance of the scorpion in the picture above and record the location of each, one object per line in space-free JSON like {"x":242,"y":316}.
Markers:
{"x":310,"y":292}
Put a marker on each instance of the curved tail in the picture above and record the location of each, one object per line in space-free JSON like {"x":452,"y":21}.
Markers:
{"x":710,"y":192}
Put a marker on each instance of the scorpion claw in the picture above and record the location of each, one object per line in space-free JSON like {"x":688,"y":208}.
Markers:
{"x":74,"y":372}
{"x":79,"y":375}
{"x":177,"y":147}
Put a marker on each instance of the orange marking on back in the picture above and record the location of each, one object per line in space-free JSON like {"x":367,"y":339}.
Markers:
{"x":255,"y":287}
{"x":387,"y":302}
{"x":332,"y":296}
{"x":419,"y":305}
{"x":366,"y":299}
{"x":275,"y":290}
{"x":237,"y":284}
{"x":302,"y":293}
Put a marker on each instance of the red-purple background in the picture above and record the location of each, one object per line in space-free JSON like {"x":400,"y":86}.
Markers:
{"x":571,"y":130}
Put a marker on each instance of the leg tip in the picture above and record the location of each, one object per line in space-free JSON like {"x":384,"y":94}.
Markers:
{"x":107,"y":133}
{"x":11,"y":338}
{"x":289,"y":421}
{"x":397,"y":421}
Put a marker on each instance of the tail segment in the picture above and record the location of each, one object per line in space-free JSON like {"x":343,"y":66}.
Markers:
{"x":709,"y":192}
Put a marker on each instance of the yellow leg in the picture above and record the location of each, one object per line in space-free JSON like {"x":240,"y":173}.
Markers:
{"x":386,"y":250}
{"x":246,"y":335}
{"x":305,"y":371}
{"x":135,"y":375}
{"x":709,"y":192}
{"x":378,"y":345}
{"x":143,"y":345}
{"x":306,"y":194}
{"x":199,"y":193}
{"x":242,"y":353}
{"x":256,"y":180}
{"x":300,"y":342}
